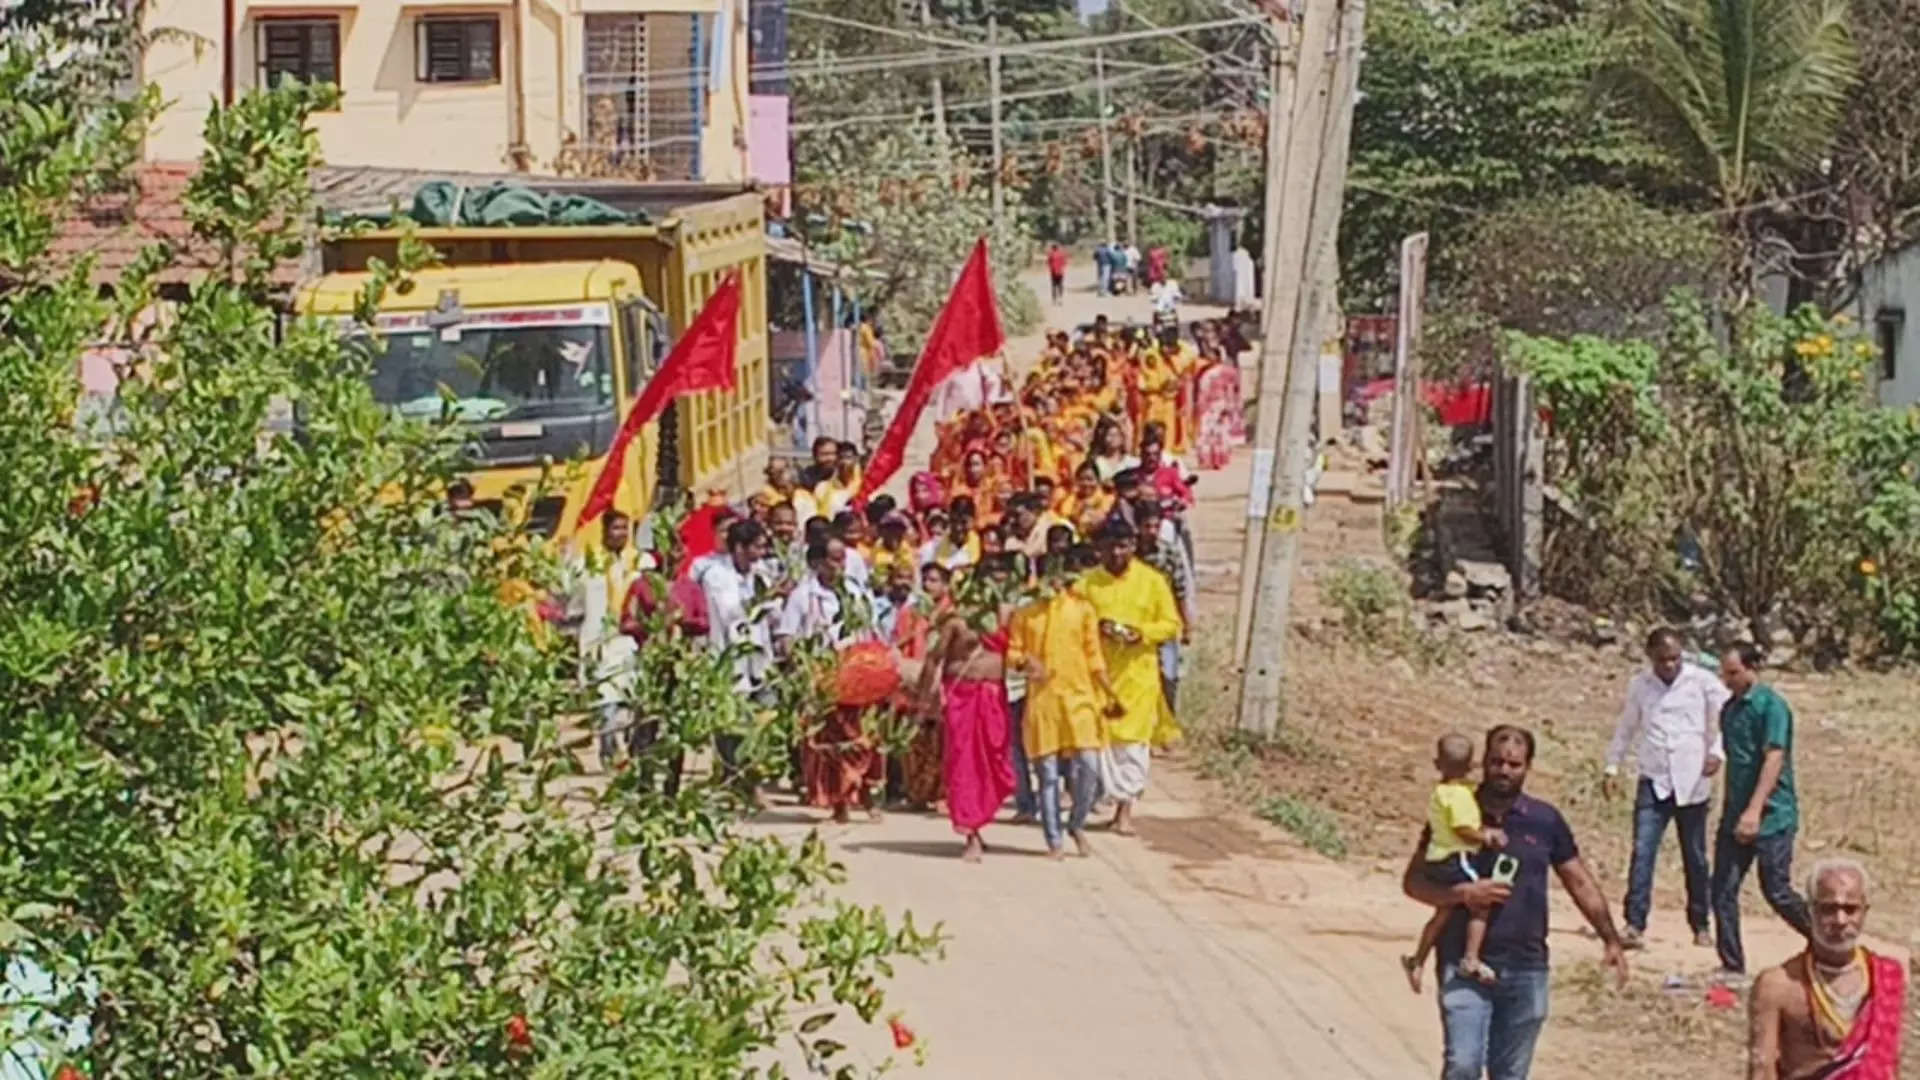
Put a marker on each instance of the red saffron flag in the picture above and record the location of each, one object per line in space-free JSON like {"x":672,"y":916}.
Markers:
{"x":702,"y":359}
{"x":968,"y":328}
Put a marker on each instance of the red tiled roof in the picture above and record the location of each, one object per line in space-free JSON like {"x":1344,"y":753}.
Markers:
{"x":113,"y":228}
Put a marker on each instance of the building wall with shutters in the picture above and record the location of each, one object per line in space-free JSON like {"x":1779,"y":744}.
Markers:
{"x":639,"y":89}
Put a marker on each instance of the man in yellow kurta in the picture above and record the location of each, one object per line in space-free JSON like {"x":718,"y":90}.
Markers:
{"x":1056,"y":642}
{"x":1137,"y":614}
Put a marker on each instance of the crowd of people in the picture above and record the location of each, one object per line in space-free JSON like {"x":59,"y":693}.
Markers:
{"x":1031,"y":596}
{"x":1028,"y":604}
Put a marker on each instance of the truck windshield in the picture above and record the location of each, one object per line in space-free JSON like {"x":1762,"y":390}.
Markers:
{"x":497,"y":367}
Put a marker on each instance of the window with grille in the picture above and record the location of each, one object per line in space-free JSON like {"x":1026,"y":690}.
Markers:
{"x":642,"y":93}
{"x":449,"y":50}
{"x":305,"y":50}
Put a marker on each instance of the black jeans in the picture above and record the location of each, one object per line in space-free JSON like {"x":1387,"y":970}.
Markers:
{"x":1731,"y":861}
{"x":1650,"y":816}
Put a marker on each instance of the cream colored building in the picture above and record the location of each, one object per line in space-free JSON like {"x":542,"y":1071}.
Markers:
{"x":639,"y":89}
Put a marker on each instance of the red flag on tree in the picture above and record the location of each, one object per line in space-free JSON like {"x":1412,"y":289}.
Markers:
{"x":968,"y":328}
{"x":702,"y":359}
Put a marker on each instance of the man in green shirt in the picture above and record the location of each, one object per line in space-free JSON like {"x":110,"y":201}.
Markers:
{"x":1761,"y":814}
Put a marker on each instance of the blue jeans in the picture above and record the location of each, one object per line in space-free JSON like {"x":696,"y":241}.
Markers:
{"x":1024,"y":800}
{"x":1083,"y":781}
{"x":1490,"y":1031}
{"x":1731,"y":861}
{"x":1650,"y":816}
{"x":1106,"y":278}
{"x":1170,"y":672}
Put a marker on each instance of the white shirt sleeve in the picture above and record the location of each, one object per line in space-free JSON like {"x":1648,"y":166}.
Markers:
{"x":793,"y":613}
{"x":726,"y":613}
{"x":1628,"y":728}
{"x":1717,"y":696}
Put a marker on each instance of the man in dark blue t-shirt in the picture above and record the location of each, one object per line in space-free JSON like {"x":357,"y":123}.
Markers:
{"x":1490,"y":1030}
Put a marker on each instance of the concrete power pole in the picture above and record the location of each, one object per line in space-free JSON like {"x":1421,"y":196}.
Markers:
{"x":999,"y":160}
{"x":1296,"y":104}
{"x":1263,"y":675}
{"x":1133,"y":191}
{"x":1106,"y":140}
{"x":939,"y":102}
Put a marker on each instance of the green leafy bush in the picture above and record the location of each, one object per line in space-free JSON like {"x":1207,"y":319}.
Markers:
{"x":287,"y":787}
{"x":1742,"y":460}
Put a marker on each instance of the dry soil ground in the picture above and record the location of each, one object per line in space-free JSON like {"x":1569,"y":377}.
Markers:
{"x":1216,"y":945}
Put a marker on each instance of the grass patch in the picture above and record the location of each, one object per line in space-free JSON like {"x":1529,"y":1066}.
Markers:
{"x":1237,"y":760}
{"x":1309,"y":824}
{"x":1375,"y":614}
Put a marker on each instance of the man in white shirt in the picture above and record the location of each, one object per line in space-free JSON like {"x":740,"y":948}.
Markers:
{"x":840,"y":763}
{"x":1166,"y":298}
{"x":959,"y":549}
{"x":1671,"y":724}
{"x":731,"y":587}
{"x":602,"y":574}
{"x":815,"y":608}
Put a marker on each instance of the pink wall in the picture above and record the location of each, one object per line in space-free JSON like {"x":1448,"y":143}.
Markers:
{"x":767,"y":135}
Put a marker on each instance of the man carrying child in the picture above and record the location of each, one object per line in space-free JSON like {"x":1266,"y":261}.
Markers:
{"x":1490,"y":1030}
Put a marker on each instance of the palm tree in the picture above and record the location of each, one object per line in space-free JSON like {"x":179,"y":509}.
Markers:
{"x":1746,"y":94}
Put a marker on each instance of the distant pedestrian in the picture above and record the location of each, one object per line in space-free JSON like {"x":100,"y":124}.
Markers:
{"x":1671,"y":721}
{"x":1761,"y":813}
{"x":1491,"y":1030}
{"x":1103,"y":268}
{"x":1057,"y":271}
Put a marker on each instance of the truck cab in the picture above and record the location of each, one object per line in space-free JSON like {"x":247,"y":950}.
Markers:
{"x":537,"y":362}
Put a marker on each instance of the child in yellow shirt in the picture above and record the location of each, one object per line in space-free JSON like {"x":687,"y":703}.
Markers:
{"x":1455,"y":835}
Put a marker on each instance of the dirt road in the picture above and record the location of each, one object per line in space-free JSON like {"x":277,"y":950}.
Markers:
{"x":1208,"y":946}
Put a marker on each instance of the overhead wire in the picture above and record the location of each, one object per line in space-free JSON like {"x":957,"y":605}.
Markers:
{"x":833,"y":123}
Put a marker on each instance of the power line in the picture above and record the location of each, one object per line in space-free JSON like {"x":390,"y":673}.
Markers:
{"x":857,"y":119}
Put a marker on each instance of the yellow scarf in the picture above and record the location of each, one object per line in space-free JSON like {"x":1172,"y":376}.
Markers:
{"x":1835,"y":1021}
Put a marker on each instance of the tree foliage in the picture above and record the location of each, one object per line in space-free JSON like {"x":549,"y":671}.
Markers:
{"x":1465,"y":107}
{"x":287,"y":786}
{"x":901,"y":211}
{"x":1744,"y":93}
{"x":1689,"y":476}
{"x":1587,"y":260}
{"x":1177,"y":106}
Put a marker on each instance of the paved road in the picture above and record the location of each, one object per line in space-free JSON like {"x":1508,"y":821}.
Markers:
{"x":1206,"y":947}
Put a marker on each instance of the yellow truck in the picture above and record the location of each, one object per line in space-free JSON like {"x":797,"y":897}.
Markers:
{"x":543,"y":336}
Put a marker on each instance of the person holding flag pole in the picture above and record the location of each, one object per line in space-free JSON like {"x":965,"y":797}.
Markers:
{"x":704,"y":358}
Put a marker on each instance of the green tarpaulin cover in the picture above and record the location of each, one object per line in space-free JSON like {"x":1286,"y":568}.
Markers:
{"x":440,"y":203}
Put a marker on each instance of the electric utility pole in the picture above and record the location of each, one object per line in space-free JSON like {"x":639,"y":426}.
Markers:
{"x":1106,"y":141}
{"x":1302,"y":280}
{"x":1133,"y":190}
{"x":1296,"y":86}
{"x":939,"y":103}
{"x":999,"y":162}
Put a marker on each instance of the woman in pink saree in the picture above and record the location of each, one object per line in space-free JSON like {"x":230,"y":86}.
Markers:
{"x":1223,"y":420}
